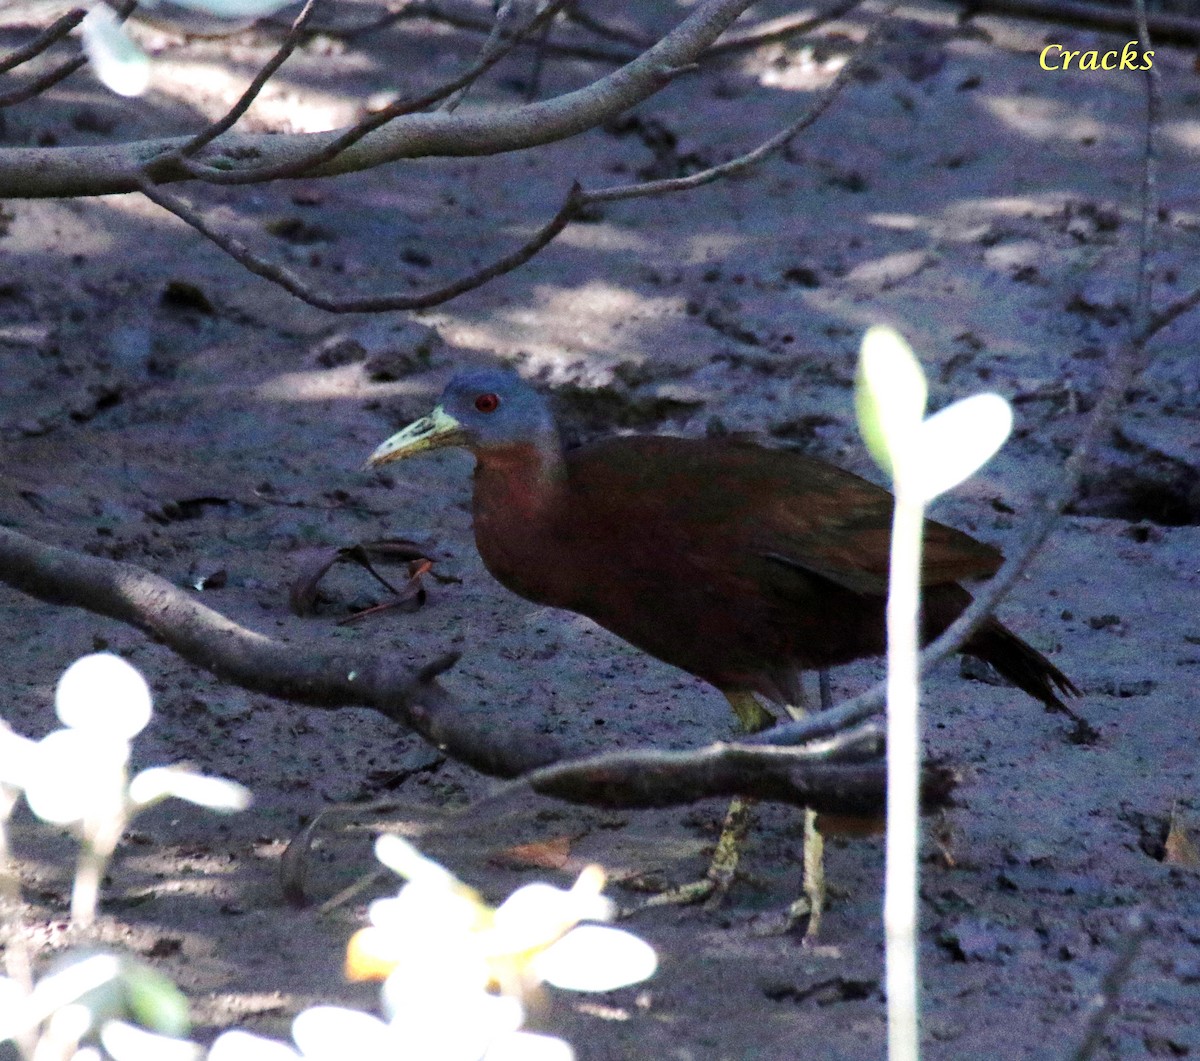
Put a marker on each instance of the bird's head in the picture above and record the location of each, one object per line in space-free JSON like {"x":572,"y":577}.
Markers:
{"x":479,"y":410}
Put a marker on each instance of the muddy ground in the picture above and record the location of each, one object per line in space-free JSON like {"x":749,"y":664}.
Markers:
{"x":161,"y":406}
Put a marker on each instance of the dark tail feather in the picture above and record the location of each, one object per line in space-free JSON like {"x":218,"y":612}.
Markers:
{"x":1023,"y":665}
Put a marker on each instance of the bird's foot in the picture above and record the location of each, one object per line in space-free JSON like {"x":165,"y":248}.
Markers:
{"x":811,"y":905}
{"x":696,"y":891}
{"x":712,"y":888}
{"x":782,"y":922}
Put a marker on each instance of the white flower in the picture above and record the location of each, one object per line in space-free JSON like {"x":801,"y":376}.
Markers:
{"x":75,"y":775}
{"x":595,"y":958}
{"x":238,"y":1045}
{"x":14,"y":1003}
{"x":78,"y":774}
{"x":128,"y":1042}
{"x":438,"y":929}
{"x":326,"y":1033}
{"x":101,"y":693}
{"x":216,"y":793}
{"x":536,"y":915}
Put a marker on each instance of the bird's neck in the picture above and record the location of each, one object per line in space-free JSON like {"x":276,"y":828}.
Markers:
{"x":519,"y":480}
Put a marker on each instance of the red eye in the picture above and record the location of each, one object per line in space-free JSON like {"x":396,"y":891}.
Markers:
{"x":487,"y":403}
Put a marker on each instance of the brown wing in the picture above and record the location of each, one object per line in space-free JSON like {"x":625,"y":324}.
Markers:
{"x":747,"y":504}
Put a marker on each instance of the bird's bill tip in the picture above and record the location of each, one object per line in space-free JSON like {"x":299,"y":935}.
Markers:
{"x":434,"y":431}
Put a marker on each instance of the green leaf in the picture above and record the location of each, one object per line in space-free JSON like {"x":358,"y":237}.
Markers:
{"x":889,"y":396}
{"x":154,"y":1001}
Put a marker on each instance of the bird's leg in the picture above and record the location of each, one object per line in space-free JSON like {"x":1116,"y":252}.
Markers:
{"x":812,"y":902}
{"x":723,"y":867}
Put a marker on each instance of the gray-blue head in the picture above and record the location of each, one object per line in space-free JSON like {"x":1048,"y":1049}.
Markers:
{"x":479,"y":410}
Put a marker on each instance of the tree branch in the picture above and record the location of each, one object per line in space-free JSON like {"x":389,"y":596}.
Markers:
{"x":282,"y":53}
{"x":295,"y":168}
{"x":1180,"y":29}
{"x":303,"y":674}
{"x":1104,"y":1004}
{"x":576,"y":200}
{"x":64,"y":70}
{"x":56,"y":31}
{"x":467,"y":19}
{"x":842,"y":772}
{"x":830,"y":776}
{"x":76,"y":171}
{"x":777,"y":142}
{"x":290,"y":282}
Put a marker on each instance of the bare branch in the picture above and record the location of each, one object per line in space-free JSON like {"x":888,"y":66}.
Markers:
{"x":575,"y":201}
{"x":297,"y":167}
{"x":299,"y":673}
{"x":1144,"y":287}
{"x":290,"y":282}
{"x":1173,"y":312}
{"x":61,"y":72}
{"x":1104,"y":1004}
{"x":577,"y":14}
{"x":469,"y":19}
{"x":500,"y":40}
{"x":289,"y":45}
{"x":53,"y":33}
{"x":1180,"y":29}
{"x":829,"y":776}
{"x":38,"y":85}
{"x":778,"y":29}
{"x":466,"y":19}
{"x":743,"y":162}
{"x":842,"y":773}
{"x":73,"y":171}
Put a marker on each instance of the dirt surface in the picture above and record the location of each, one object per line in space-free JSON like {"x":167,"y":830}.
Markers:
{"x":161,"y":406}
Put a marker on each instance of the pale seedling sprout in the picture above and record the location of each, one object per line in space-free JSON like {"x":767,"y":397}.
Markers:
{"x":924,"y":457}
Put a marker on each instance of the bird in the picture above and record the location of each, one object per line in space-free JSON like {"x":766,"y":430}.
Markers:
{"x":743,"y":565}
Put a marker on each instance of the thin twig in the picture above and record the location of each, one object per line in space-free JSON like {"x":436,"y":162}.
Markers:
{"x":1179,"y":29}
{"x":471,"y":21}
{"x":290,"y":282}
{"x":576,"y":14}
{"x":223,"y":125}
{"x":1144,"y":288}
{"x":779,"y":29}
{"x":816,"y":108}
{"x":297,"y":167}
{"x":497,"y":42}
{"x":1173,"y":312}
{"x":39,"y":84}
{"x":60,"y":73}
{"x":1104,"y":1003}
{"x":56,"y":31}
{"x":576,"y":200}
{"x":466,"y":19}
